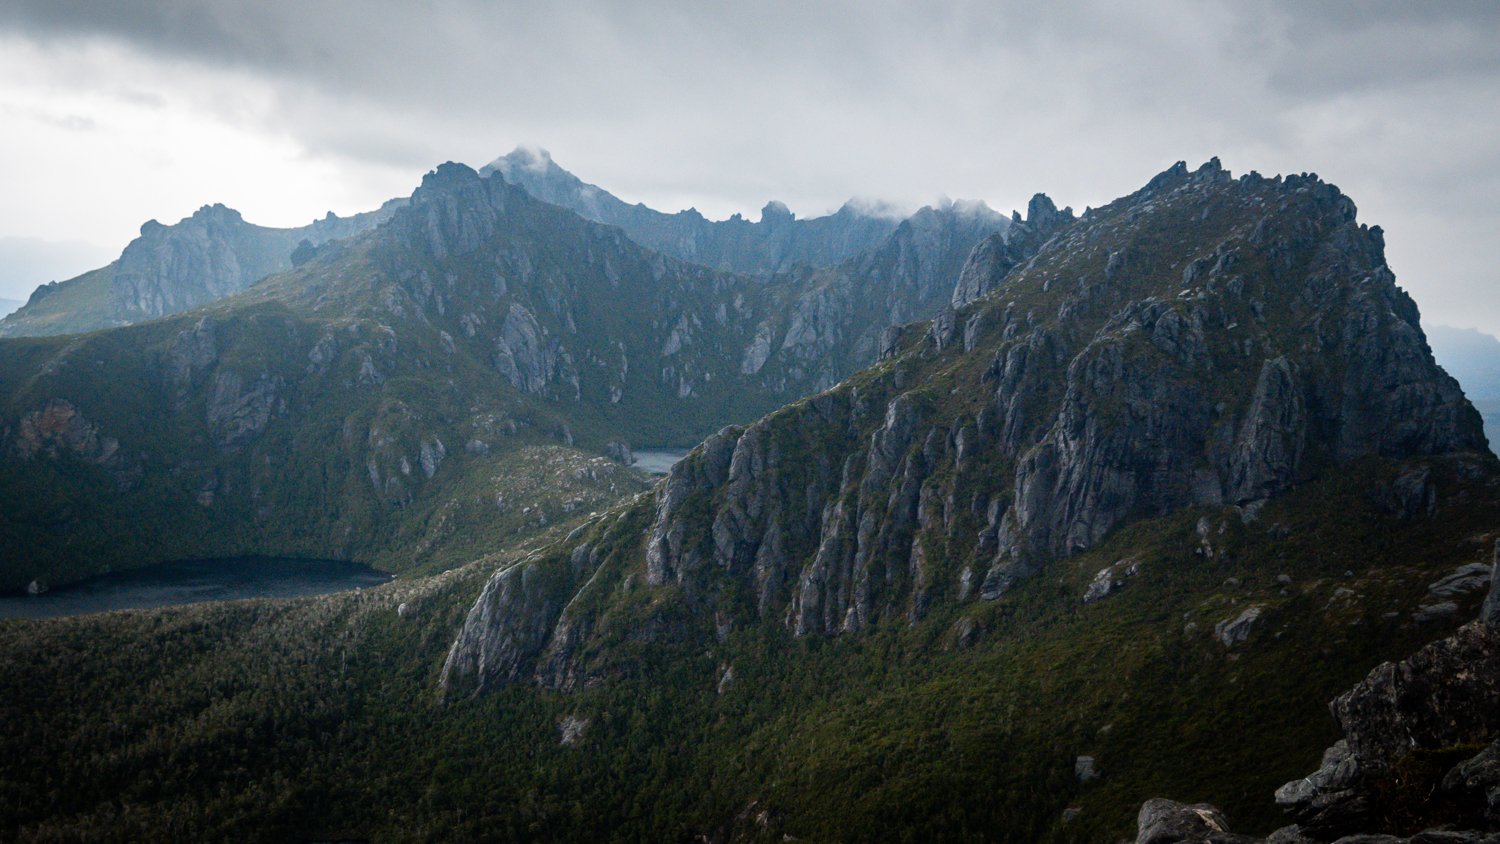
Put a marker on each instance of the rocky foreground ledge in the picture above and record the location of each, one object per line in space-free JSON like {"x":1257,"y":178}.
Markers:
{"x":1419,"y":762}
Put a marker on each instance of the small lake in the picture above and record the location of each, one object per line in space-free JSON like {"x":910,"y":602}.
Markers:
{"x":191,"y":581}
{"x":658,"y":461}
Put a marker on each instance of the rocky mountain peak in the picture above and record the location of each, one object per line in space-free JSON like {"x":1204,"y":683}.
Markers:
{"x":448,"y":176}
{"x":775,"y":213}
{"x":997,"y":255}
{"x":217,"y":214}
{"x":1042,"y":213}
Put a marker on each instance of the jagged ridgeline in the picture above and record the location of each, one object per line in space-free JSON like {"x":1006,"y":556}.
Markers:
{"x":778,"y":242}
{"x":1204,"y":342}
{"x":403,"y":396}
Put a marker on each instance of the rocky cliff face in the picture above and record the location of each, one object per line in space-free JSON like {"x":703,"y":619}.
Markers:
{"x":1206,"y":341}
{"x":600,"y":319}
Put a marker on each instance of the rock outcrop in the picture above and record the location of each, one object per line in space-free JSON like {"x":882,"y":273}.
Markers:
{"x":995,"y":256}
{"x":58,"y":428}
{"x":1168,"y":822}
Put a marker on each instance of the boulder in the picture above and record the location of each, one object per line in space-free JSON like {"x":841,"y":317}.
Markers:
{"x":1237,"y":630}
{"x":1169,"y":822}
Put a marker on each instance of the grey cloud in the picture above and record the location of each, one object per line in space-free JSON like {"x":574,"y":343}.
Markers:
{"x":28,"y":262}
{"x":69,"y":122}
{"x":725,"y":105}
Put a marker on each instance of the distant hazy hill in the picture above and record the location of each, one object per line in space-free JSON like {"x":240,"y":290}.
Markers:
{"x":168,"y":269}
{"x":777,"y":242}
{"x":215,"y":253}
{"x":1472,"y":357}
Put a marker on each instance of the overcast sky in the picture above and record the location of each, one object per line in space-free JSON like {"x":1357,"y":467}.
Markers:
{"x":118,"y":112}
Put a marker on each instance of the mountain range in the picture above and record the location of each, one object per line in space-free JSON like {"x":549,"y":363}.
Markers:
{"x":998,"y":529}
{"x":365,"y":402}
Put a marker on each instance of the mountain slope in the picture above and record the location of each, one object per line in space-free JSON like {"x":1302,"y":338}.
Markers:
{"x":169,"y":269}
{"x":1204,"y":342}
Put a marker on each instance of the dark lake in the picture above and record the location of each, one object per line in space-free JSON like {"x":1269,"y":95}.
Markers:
{"x":191,"y":581}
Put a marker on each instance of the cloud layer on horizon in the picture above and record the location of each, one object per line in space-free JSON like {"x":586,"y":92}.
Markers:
{"x":285,"y":109}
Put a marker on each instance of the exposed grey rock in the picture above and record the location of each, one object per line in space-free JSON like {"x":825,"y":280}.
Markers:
{"x":1489,"y":614}
{"x":668,"y":556}
{"x":1328,"y":798}
{"x":1085,"y":770}
{"x":430,"y":455}
{"x":966,"y":632}
{"x":1086,"y":477}
{"x":453,"y":212}
{"x":237,"y":412}
{"x":1434,"y":612}
{"x":997,"y":255}
{"x":1238,"y":630}
{"x":570,"y":730}
{"x":1464,"y":580}
{"x":524,"y":353}
{"x":1444,"y":696}
{"x":191,"y":354}
{"x":1097,"y":403}
{"x":1110,"y":580}
{"x":506,"y":628}
{"x":200,"y":259}
{"x":758,"y":352}
{"x":1411,"y":494}
{"x":1268,"y":453}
